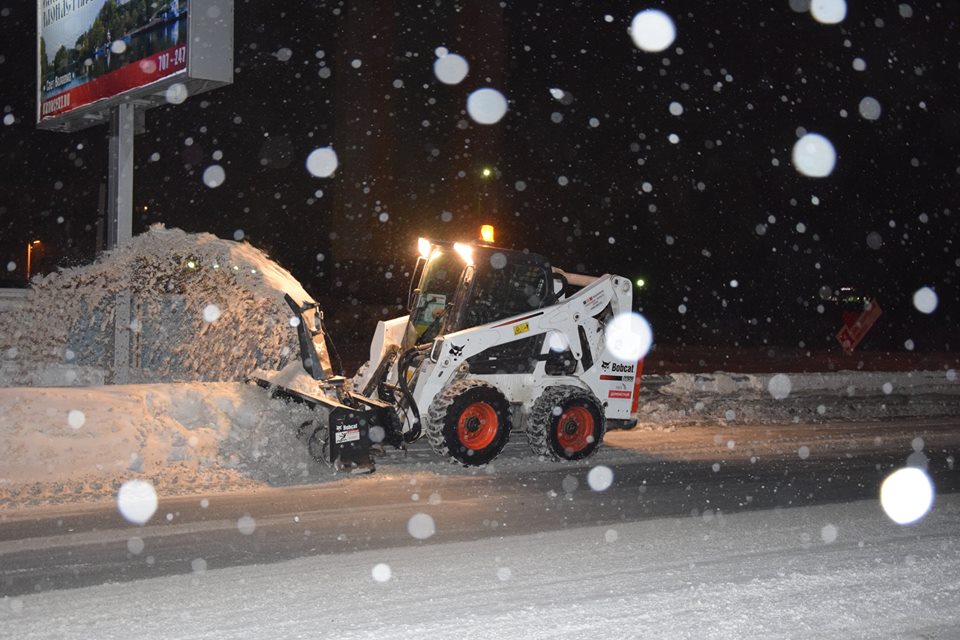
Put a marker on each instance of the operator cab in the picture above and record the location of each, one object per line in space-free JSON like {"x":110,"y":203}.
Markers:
{"x":462,"y":285}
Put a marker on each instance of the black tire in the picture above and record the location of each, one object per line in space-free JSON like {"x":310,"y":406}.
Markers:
{"x":565,"y":423}
{"x":469,"y":421}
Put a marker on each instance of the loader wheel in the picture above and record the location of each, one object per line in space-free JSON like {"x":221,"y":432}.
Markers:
{"x":469,"y":421}
{"x":565,"y":423}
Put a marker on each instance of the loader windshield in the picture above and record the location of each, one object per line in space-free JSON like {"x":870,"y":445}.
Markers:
{"x":506,"y":283}
{"x":438,"y":282}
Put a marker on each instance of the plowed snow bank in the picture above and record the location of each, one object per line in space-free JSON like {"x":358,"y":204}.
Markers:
{"x":79,"y":444}
{"x":203,"y":308}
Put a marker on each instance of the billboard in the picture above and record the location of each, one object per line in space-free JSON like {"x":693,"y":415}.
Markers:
{"x":93,"y":52}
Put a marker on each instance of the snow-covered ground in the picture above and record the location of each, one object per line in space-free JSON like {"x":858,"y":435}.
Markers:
{"x":79,"y":444}
{"x":207,"y":312}
{"x":834,"y":571}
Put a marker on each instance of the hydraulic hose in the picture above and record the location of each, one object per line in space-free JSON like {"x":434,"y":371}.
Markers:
{"x":414,"y":433}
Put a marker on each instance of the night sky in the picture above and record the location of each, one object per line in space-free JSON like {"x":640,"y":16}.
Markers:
{"x":734,"y":243}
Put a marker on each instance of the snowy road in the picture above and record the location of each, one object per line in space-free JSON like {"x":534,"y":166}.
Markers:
{"x":694,"y":473}
{"x":827,"y":571}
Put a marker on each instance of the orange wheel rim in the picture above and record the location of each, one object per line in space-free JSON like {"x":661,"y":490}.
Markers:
{"x":575,"y":429}
{"x":477,"y":426}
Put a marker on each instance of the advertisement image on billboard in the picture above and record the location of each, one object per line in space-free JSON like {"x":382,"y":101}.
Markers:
{"x":93,"y":50}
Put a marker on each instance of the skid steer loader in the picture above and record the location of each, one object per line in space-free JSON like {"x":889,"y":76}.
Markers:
{"x":496,"y":340}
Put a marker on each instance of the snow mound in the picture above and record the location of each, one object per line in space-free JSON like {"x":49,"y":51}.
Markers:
{"x":73,"y":444}
{"x":202,"y":308}
{"x":720,"y":398}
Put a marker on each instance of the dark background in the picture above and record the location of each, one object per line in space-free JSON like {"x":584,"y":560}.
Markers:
{"x":725,"y":202}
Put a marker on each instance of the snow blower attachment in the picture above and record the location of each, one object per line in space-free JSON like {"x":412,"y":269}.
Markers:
{"x":495,"y":340}
{"x":344,"y":427}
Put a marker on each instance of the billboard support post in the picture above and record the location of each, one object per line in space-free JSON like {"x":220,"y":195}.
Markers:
{"x":120,"y":223}
{"x":120,"y":180}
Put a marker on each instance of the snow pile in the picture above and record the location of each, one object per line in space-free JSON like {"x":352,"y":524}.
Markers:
{"x":202,"y":308}
{"x":79,"y":444}
{"x":810,"y":397}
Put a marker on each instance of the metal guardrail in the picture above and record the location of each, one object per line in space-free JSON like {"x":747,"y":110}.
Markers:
{"x":14,"y":298}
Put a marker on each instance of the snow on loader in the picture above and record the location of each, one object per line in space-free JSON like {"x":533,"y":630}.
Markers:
{"x":495,"y":340}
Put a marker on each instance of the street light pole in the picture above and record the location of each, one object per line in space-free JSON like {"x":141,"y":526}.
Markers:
{"x":29,"y":256}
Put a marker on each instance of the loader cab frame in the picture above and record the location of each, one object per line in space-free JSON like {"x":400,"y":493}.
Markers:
{"x":466,"y":285}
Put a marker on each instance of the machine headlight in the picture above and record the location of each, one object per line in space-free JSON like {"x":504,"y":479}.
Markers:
{"x":465,"y":251}
{"x":423,"y":246}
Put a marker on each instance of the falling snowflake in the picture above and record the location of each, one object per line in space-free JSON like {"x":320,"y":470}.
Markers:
{"x":814,"y":156}
{"x":925,"y":300}
{"x":869,"y":108}
{"x":381,"y":572}
{"x":214,"y":176}
{"x":628,"y":337}
{"x":451,"y":68}
{"x":828,"y":11}
{"x":177,"y":93}
{"x":652,"y":30}
{"x":421,"y":526}
{"x":906,"y":495}
{"x":600,"y":478}
{"x":322,"y":162}
{"x":486,"y":106}
{"x":211,"y":313}
{"x":246,"y":525}
{"x":76,"y":419}
{"x":137,"y":501}
{"x":779,"y":386}
{"x":828,"y":534}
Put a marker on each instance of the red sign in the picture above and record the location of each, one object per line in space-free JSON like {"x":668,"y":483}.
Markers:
{"x":136,"y":74}
{"x":855,"y":328}
{"x":620,"y":393}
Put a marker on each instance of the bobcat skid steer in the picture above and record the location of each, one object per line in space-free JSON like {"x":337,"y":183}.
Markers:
{"x":496,"y":340}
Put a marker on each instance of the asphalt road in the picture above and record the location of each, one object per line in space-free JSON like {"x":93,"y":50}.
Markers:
{"x":692,"y":471}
